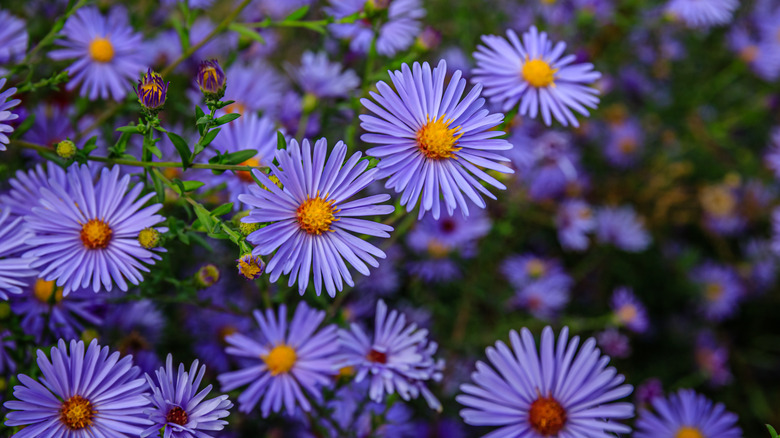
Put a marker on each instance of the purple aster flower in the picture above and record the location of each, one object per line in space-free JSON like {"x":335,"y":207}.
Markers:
{"x":107,"y":53}
{"x":435,"y":270}
{"x":52,"y":125}
{"x":290,"y":112}
{"x":254,"y":87}
{"x":574,"y":221}
{"x":321,"y":78}
{"x":15,"y":267}
{"x":557,"y":391}
{"x":211,"y":328}
{"x":397,"y":358}
{"x":721,"y":290}
{"x":762,"y":55}
{"x":712,"y":358}
{"x":27,"y":185}
{"x":523,"y":270}
{"x":628,"y":310}
{"x":624,"y":143}
{"x":697,"y":13}
{"x":621,"y":227}
{"x":649,"y":390}
{"x":7,"y":364}
{"x":5,"y":114}
{"x":284,"y":360}
{"x":81,"y":394}
{"x":396,"y":34}
{"x":88,"y":234}
{"x":13,"y":41}
{"x":311,"y":219}
{"x":180,"y":408}
{"x":431,"y":141}
{"x":248,"y":132}
{"x":543,"y":298}
{"x":46,"y":312}
{"x":760,"y":270}
{"x":614,"y":343}
{"x":448,"y":233}
{"x":135,"y":329}
{"x":534,"y":74}
{"x":720,"y":203}
{"x":686,"y":414}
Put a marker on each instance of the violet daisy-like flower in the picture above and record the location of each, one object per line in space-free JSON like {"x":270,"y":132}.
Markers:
{"x":88,"y":234}
{"x":628,"y":310}
{"x":574,"y":222}
{"x":15,"y":267}
{"x":286,"y":360}
{"x":433,"y":142}
{"x":5,"y":114}
{"x":397,"y":358}
{"x":180,"y":408}
{"x":555,"y":391}
{"x":311,"y":220}
{"x":81,"y":394}
{"x":319,"y":77}
{"x":107,"y":53}
{"x":621,"y":227}
{"x":396,"y":34}
{"x":535,"y":74}
{"x":698,"y":13}
{"x":13,"y":40}
{"x":721,"y":290}
{"x":151,"y":91}
{"x":686,"y":414}
{"x":7,"y":364}
{"x":254,"y":86}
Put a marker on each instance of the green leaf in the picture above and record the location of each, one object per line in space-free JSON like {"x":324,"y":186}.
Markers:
{"x":90,"y":145}
{"x":297,"y":14}
{"x":158,"y":188}
{"x":186,"y":186}
{"x":155,"y":150}
{"x":227,"y":118}
{"x":204,"y":217}
{"x":133,"y":129}
{"x":182,"y":147}
{"x":119,"y":147}
{"x":247,"y":32}
{"x":209,"y":137}
{"x":772,"y":431}
{"x":198,"y":115}
{"x":281,"y":142}
{"x":222,"y":209}
{"x":238,"y":157}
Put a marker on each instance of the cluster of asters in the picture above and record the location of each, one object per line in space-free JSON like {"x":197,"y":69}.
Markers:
{"x":439,"y":137}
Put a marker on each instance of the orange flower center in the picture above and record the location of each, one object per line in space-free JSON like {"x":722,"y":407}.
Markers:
{"x":77,"y":413}
{"x":43,"y":290}
{"x":96,"y":234}
{"x":315,"y":215}
{"x":177,"y":415}
{"x":689,"y":432}
{"x":281,"y":359}
{"x":538,"y":73}
{"x":101,"y":50}
{"x":246,"y":175}
{"x":436,"y":140}
{"x":547,"y":416}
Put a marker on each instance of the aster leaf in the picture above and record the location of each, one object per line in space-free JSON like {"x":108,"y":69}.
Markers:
{"x":222,"y":209}
{"x":247,"y":32}
{"x":298,"y":13}
{"x":281,"y":142}
{"x":227,"y":118}
{"x":181,"y":146}
{"x":199,"y":114}
{"x":772,"y":431}
{"x":204,"y":217}
{"x":237,"y":157}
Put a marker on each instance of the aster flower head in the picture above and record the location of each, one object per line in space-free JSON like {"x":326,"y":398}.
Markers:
{"x":7,"y":364}
{"x":686,"y":414}
{"x":543,"y":298}
{"x":285,"y":360}
{"x":15,"y":267}
{"x":628,"y":310}
{"x":624,"y":143}
{"x":534,"y":73}
{"x":13,"y":40}
{"x":151,"y":91}
{"x":180,"y":408}
{"x":250,"y":267}
{"x":553,"y":391}
{"x":397,"y":33}
{"x":83,"y":392}
{"x":26,"y":185}
{"x":712,"y":358}
{"x":397,"y":358}
{"x":525,"y":269}
{"x":254,"y":86}
{"x":721,"y":290}
{"x":211,"y":79}
{"x":5,"y":114}
{"x":449,"y":233}
{"x":433,"y":142}
{"x":107,"y":53}
{"x":575,"y":221}
{"x":87,"y":235}
{"x":319,"y":77}
{"x":614,"y":343}
{"x":311,"y":219}
{"x":696,"y":13}
{"x":621,"y":227}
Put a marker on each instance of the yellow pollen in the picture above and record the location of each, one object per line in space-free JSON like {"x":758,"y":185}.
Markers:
{"x":101,"y":50}
{"x":718,"y":200}
{"x":627,"y":313}
{"x":346,"y":372}
{"x":538,"y":73}
{"x":315,"y":215}
{"x":246,"y":175}
{"x":689,"y":432}
{"x":437,"y":140}
{"x":535,"y":268}
{"x":281,"y":359}
{"x":77,"y":413}
{"x":547,"y":416}
{"x":43,"y":290}
{"x":96,"y":234}
{"x":713,"y":291}
{"x":149,"y":238}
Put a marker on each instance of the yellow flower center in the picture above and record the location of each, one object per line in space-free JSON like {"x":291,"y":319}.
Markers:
{"x":101,"y":50}
{"x":96,"y":234}
{"x":627,"y":313}
{"x":437,"y":249}
{"x":689,"y":432}
{"x":749,"y":53}
{"x":713,"y":291}
{"x":209,"y":74}
{"x":77,"y":413}
{"x":627,"y":146}
{"x":246,"y":175}
{"x":250,"y":266}
{"x":149,"y":238}
{"x":437,"y":140}
{"x":718,"y":200}
{"x":224,"y":332}
{"x":315,"y":215}
{"x":281,"y":359}
{"x":547,"y":416}
{"x":535,"y":268}
{"x":538,"y":73}
{"x":43,"y":290}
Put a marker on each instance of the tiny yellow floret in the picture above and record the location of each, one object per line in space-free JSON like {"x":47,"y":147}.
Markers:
{"x":315,"y":215}
{"x":77,"y":413}
{"x":436,"y":140}
{"x":538,"y":73}
{"x":101,"y":50}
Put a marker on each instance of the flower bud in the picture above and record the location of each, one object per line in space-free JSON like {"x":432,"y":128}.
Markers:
{"x":207,"y":276}
{"x":65,"y":149}
{"x":149,"y":238}
{"x":250,"y":267}
{"x":152,"y":91}
{"x":211,"y":79}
